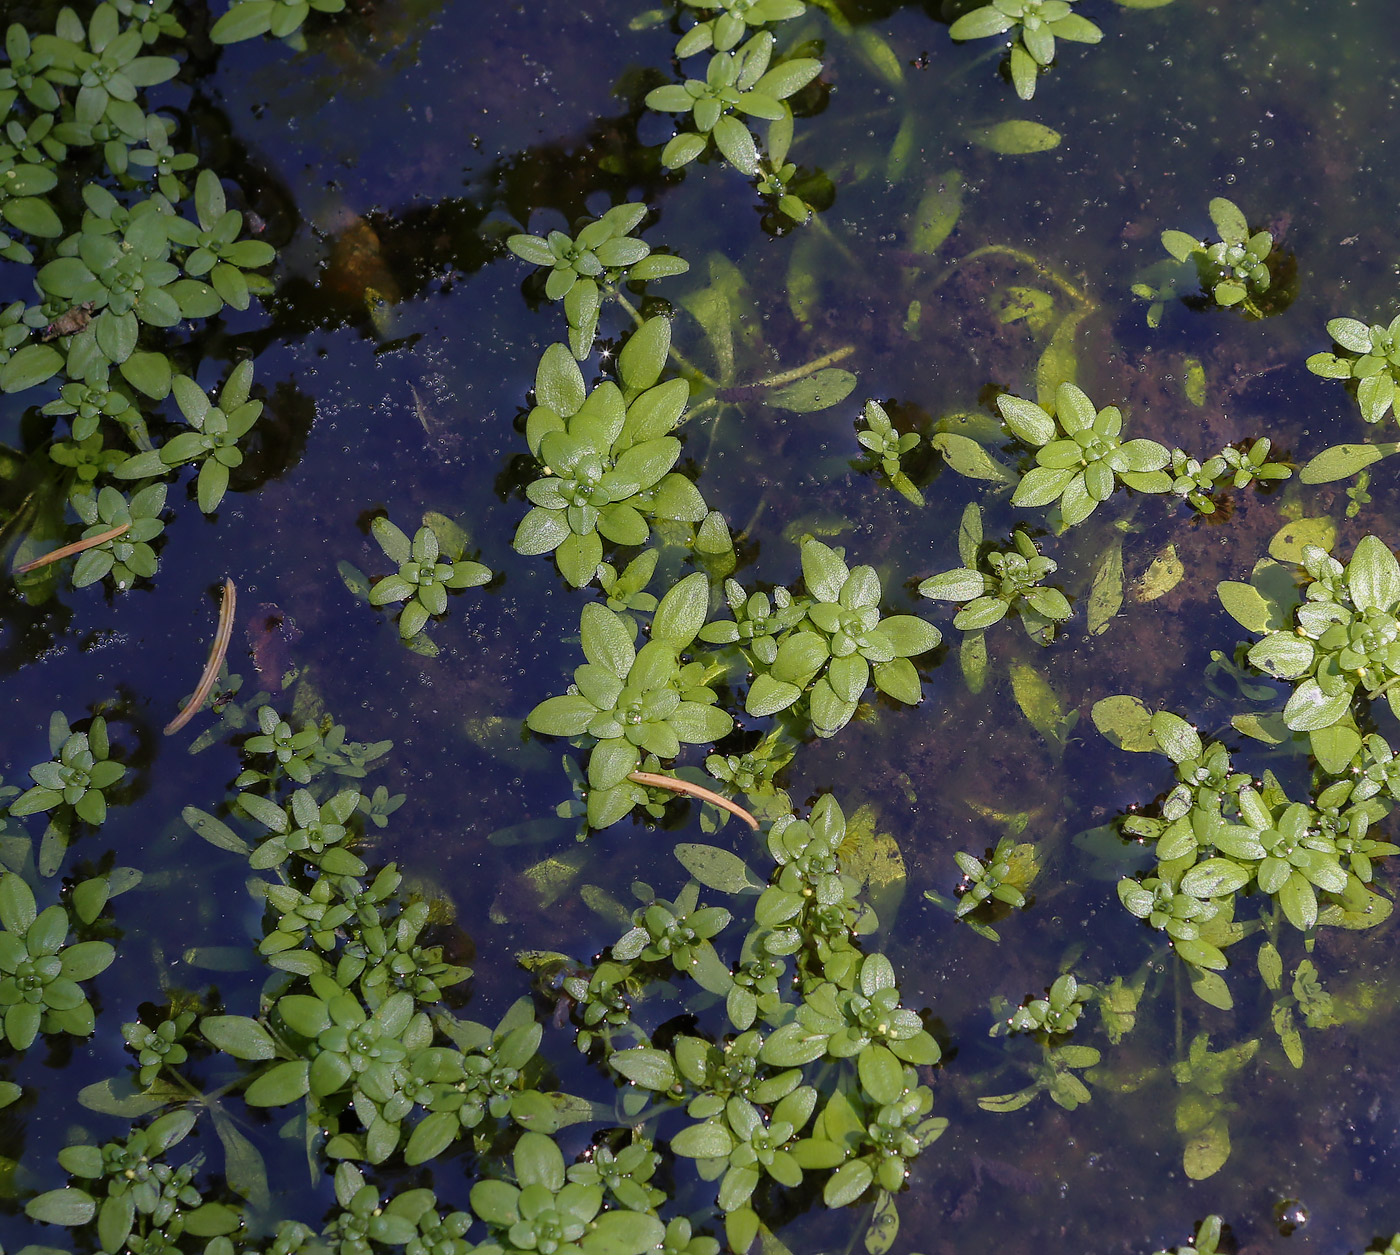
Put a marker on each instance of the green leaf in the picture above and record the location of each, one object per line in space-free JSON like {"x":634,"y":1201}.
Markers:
{"x":1014,"y":138}
{"x":970,"y":459}
{"x":643,"y":357}
{"x":1126,"y":722}
{"x":282,"y":1084}
{"x":682,"y":611}
{"x":1341,"y":461}
{"x":1310,"y":708}
{"x":718,"y":869}
{"x":710,"y":1140}
{"x":1247,"y":606}
{"x":68,"y":1207}
{"x":937,"y":214}
{"x":30,"y":366}
{"x":881,"y":1074}
{"x":239,"y":1036}
{"x":848,"y":1183}
{"x":651,"y":1069}
{"x":818,"y":391}
{"x":1373,"y":575}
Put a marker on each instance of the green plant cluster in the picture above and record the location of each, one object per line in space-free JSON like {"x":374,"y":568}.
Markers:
{"x":584,"y":269}
{"x":740,"y":82}
{"x":828,"y":646}
{"x":887,"y":446}
{"x":629,"y":701}
{"x":425,"y":576}
{"x":606,"y":455}
{"x":1370,"y":355}
{"x":1080,"y":457}
{"x":121,"y":262}
{"x":1032,"y":26}
{"x":1008,"y":581}
{"x":1233,"y":271}
{"x":804,"y":1001}
{"x":1217,"y":836}
{"x":1341,"y":639}
{"x":247,"y":19}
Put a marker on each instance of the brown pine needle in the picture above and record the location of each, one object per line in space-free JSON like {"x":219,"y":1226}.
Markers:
{"x":694,"y":790}
{"x":216,"y":660}
{"x":76,"y":547}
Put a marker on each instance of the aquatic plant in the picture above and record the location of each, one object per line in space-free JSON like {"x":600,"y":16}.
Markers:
{"x":1033,"y":26}
{"x":1233,"y":271}
{"x":1371,"y":356}
{"x":1080,"y":458}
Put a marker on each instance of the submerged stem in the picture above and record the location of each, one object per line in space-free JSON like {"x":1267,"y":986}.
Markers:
{"x":1025,"y":259}
{"x":801,"y":372}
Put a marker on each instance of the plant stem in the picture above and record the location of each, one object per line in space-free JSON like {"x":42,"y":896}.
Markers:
{"x":1025,"y":259}
{"x":801,"y":372}
{"x":211,"y":667}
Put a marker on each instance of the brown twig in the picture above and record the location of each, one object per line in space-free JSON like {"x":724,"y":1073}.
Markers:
{"x":694,"y":790}
{"x":76,"y":547}
{"x":216,"y":660}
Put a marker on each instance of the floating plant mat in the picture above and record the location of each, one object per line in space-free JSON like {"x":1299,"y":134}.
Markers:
{"x":799,"y":622}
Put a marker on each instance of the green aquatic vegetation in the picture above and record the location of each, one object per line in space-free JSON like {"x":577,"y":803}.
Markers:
{"x":247,"y":19}
{"x":425,"y":576}
{"x":1306,"y":998}
{"x":584,"y":269}
{"x":1056,"y":1013}
{"x":1054,"y":1074}
{"x":40,"y":972}
{"x":1033,"y":27}
{"x":607,"y":456}
{"x":544,"y":1210}
{"x":838,"y":646}
{"x":1195,"y":481}
{"x":1345,"y":636}
{"x":212,"y":443}
{"x":732,"y":22}
{"x":1371,"y":356}
{"x":135,"y":1199}
{"x":1010,"y":583}
{"x":117,"y":270}
{"x":1233,"y":271}
{"x":628,"y":701}
{"x":1205,"y":1242}
{"x":887,"y":446}
{"x":77,"y":777}
{"x":1080,"y":458}
{"x":744,"y":82}
{"x":125,"y":555}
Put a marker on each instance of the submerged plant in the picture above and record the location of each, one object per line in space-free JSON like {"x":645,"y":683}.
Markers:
{"x":739,"y":82}
{"x":830,"y":645}
{"x":1033,"y":27}
{"x":1011,"y":583}
{"x":1232,"y":270}
{"x":1345,"y":638}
